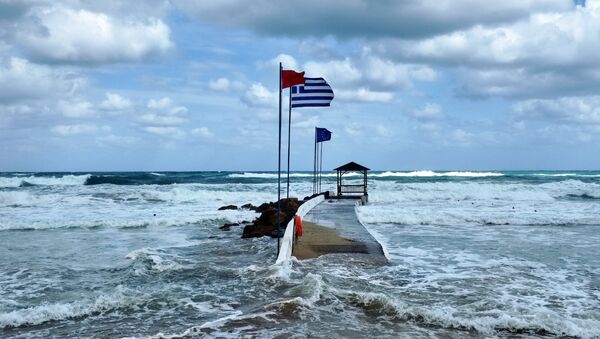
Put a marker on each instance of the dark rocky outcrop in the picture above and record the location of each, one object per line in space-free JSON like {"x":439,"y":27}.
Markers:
{"x":249,"y":207}
{"x":228,"y":207}
{"x":266,"y":223}
{"x":227,"y":227}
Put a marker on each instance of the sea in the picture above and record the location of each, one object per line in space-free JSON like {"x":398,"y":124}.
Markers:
{"x":471,"y":254}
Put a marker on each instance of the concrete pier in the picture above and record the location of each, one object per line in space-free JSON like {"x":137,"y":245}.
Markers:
{"x":332,"y":227}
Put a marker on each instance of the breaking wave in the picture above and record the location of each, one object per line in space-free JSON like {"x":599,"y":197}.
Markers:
{"x":20,"y":181}
{"x":375,"y":175}
{"x":488,"y":323}
{"x":60,"y":311}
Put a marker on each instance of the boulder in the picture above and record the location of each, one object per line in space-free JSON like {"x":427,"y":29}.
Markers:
{"x":266,"y":223}
{"x":228,"y":207}
{"x":249,"y":207}
{"x":227,"y":227}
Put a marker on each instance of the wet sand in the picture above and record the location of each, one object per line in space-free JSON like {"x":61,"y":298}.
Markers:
{"x":318,"y":240}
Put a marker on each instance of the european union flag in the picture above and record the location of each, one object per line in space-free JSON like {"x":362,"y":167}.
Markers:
{"x":323,"y":134}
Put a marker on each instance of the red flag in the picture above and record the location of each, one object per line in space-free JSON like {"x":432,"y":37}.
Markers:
{"x":291,"y":78}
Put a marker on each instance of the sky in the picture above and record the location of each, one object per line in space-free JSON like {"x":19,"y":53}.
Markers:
{"x":164,"y":85}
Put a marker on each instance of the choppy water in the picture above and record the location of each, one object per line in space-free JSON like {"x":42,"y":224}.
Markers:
{"x":472,"y":254}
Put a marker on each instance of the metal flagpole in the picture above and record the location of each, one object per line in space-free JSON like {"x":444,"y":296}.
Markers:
{"x":321,"y":167}
{"x":315,"y":164}
{"x":289,"y":150}
{"x":279,"y":165}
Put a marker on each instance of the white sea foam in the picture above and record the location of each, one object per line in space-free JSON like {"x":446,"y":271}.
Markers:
{"x":274,"y":175}
{"x":438,"y":174}
{"x":375,"y":175}
{"x":468,"y":203}
{"x":490,"y":322}
{"x":46,"y":181}
{"x":47,"y":312}
{"x":152,"y":260}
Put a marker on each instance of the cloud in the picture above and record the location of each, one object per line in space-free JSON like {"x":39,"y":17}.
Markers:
{"x":75,"y":108}
{"x":115,"y":102}
{"x":364,"y":95}
{"x":117,"y":140}
{"x":203,"y":132}
{"x":583,"y":110}
{"x":21,"y":80}
{"x":370,"y":77}
{"x":170,"y":132}
{"x":221,"y":84}
{"x":164,"y":118}
{"x":259,"y":96}
{"x":337,"y":72}
{"x":428,"y":112}
{"x":64,"y":35}
{"x":287,"y":62}
{"x":75,"y":129}
{"x":357,"y":18}
{"x":548,"y":54}
{"x":153,"y":119}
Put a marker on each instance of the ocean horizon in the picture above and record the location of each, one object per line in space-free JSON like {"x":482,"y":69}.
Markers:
{"x":140,"y":255}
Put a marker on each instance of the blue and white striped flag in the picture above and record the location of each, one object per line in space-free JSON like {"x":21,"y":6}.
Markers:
{"x":314,"y":93}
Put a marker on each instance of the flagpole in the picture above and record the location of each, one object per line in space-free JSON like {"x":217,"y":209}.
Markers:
{"x":321,"y":169}
{"x":315,"y":164}
{"x":289,"y":143}
{"x":279,"y":166}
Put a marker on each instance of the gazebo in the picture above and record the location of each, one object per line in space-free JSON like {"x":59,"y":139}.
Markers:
{"x":351,"y":190}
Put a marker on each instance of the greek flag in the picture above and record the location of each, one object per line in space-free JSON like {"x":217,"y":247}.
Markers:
{"x":314,"y":93}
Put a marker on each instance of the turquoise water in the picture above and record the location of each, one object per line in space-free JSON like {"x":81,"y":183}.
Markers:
{"x":472,"y":254}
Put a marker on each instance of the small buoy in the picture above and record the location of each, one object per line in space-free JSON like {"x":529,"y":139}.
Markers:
{"x":154,"y":214}
{"x":298,"y":222}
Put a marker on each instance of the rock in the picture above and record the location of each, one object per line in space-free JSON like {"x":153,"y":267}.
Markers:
{"x":264,"y":206}
{"x":228,"y":207}
{"x":249,"y":207}
{"x":266,"y":223}
{"x":227,"y":227}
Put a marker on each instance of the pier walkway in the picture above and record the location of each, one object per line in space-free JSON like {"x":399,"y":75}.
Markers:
{"x":332,"y":227}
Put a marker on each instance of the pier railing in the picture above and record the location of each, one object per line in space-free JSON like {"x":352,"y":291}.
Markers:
{"x":285,"y":249}
{"x":352,"y":189}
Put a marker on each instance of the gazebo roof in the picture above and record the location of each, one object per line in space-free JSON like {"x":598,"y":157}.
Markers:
{"x":351,"y":166}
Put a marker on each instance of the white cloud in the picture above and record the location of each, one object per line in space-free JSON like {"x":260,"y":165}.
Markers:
{"x":163,"y":113}
{"x":75,"y":108}
{"x":221,"y":84}
{"x":364,"y":95}
{"x":368,"y":78}
{"x":115,"y":102}
{"x":82,"y":36}
{"x":382,"y":131}
{"x":152,"y":119}
{"x":160,"y":103}
{"x":404,"y":19}
{"x":461,"y":136}
{"x":548,"y":54}
{"x":259,"y":96}
{"x":428,"y":112}
{"x":75,"y":129}
{"x":287,"y":62}
{"x":170,"y":132}
{"x":203,"y":132}
{"x":584,"y":110}
{"x":22,"y":80}
{"x":336,"y":72}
